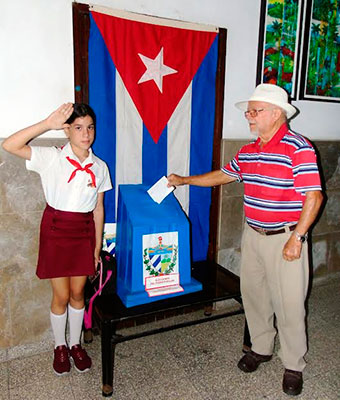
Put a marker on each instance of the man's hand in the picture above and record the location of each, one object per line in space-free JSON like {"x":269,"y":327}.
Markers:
{"x":175,"y":180}
{"x":310,"y":209}
{"x":292,"y":249}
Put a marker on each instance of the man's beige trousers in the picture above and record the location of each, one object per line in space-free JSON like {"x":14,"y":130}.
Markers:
{"x":271,"y":285}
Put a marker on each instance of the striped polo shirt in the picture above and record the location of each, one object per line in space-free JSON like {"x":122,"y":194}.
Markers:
{"x":276,"y":178}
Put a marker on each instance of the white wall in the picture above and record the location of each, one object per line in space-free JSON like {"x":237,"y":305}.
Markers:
{"x":36,"y":69}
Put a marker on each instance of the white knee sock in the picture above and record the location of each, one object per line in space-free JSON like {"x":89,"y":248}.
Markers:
{"x":75,"y":318}
{"x":58,"y":323}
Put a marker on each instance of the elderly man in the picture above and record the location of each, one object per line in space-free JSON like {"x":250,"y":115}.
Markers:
{"x":282,"y":197}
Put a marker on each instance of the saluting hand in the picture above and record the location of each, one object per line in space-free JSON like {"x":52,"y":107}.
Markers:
{"x":57,"y":119}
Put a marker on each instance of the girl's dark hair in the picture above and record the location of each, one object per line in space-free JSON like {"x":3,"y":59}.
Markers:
{"x":81,"y":110}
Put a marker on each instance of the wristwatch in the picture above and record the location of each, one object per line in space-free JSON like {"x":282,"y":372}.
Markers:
{"x":301,"y":238}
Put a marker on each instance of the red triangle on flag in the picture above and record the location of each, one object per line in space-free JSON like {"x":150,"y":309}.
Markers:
{"x":156,"y":63}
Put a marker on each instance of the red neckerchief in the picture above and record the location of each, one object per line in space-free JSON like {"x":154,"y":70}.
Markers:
{"x":80,"y":168}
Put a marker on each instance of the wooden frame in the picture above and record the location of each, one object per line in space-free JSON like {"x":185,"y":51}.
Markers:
{"x":81,"y":29}
{"x":81,"y":24}
{"x":320,"y":68}
{"x":279,"y":43}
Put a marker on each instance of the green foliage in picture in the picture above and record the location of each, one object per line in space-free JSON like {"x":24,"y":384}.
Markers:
{"x":280,"y":45}
{"x":323,"y":73}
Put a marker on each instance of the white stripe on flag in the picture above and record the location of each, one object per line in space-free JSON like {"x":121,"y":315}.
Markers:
{"x":179,"y":128}
{"x":153,"y":20}
{"x":129,"y":137}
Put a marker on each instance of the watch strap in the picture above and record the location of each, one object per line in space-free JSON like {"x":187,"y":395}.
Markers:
{"x":301,"y":238}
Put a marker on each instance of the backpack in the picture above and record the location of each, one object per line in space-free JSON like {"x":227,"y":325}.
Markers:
{"x":102,"y":282}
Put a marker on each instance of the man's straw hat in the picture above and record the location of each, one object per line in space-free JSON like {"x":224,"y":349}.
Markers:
{"x":270,"y":94}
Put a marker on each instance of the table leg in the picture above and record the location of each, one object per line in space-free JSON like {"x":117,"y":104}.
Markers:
{"x":108,"y":349}
{"x":208,"y":310}
{"x":246,"y":338}
{"x":88,"y":336}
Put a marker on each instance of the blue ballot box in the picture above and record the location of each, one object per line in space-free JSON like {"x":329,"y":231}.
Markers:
{"x":152,"y":248}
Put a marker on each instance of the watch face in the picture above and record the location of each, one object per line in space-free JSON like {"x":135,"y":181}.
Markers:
{"x":301,"y":238}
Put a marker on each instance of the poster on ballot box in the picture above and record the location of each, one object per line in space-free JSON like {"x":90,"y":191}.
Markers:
{"x":160,"y":263}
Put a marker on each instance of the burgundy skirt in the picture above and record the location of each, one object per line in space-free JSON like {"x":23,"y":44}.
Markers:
{"x":67,"y":243}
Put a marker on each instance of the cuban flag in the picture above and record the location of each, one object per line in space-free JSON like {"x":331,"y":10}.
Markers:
{"x":152,"y":87}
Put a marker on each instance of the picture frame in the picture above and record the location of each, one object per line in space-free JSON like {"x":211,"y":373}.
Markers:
{"x":279,"y":43}
{"x":320,"y":67}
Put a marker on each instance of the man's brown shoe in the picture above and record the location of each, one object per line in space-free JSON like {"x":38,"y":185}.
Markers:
{"x":292,"y":382}
{"x":251,"y":361}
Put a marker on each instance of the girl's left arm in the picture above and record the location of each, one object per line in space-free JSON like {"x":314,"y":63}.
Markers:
{"x":98,"y":216}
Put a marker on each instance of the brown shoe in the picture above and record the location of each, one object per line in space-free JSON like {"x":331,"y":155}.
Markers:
{"x":251,"y":361}
{"x":292,"y":382}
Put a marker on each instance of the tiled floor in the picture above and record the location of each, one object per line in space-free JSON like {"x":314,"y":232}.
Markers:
{"x":196,"y":363}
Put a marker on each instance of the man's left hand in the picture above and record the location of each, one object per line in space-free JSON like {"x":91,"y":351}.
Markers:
{"x":292,"y":249}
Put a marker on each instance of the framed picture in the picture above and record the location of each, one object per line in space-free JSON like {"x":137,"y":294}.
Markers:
{"x":320,"y":68}
{"x":279,"y":41}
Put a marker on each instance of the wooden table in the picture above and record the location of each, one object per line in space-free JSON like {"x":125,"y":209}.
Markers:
{"x":109,"y":312}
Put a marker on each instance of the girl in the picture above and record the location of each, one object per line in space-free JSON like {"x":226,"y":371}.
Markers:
{"x":74,"y":181}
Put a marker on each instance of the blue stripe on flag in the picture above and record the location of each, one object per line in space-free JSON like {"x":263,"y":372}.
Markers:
{"x":202,"y":136}
{"x":154,"y":157}
{"x":102,"y":89}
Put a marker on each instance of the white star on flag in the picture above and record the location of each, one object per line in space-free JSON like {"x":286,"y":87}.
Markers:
{"x":155,"y":70}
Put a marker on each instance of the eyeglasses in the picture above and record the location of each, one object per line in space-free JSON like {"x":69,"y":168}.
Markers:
{"x":255,"y":112}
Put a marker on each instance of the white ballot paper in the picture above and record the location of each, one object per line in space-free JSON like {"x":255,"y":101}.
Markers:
{"x":160,"y":190}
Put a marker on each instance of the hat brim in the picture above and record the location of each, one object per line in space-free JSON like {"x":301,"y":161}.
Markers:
{"x":288,"y":108}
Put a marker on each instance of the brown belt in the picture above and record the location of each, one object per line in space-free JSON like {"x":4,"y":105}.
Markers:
{"x":276,"y":232}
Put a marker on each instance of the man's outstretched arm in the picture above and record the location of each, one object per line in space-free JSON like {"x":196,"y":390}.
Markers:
{"x":213,"y":178}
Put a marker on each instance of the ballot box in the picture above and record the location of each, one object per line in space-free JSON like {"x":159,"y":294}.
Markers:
{"x":152,"y":248}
